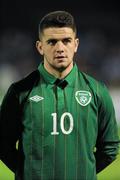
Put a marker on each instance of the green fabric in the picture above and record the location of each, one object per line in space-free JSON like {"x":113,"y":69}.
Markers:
{"x":63,"y":156}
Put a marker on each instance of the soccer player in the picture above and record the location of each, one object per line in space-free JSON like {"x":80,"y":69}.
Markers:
{"x":63,"y":119}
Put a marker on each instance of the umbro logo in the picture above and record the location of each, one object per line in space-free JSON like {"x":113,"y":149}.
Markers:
{"x":36,"y":98}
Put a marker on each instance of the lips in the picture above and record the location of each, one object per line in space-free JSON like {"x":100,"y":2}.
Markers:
{"x":60,"y":57}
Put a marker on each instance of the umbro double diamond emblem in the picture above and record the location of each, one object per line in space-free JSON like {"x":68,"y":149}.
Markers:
{"x":36,"y":98}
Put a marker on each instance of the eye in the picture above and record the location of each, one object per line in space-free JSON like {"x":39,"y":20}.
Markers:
{"x":67,"y":40}
{"x":52,"y":42}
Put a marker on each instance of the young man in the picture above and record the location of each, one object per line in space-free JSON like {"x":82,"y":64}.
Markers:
{"x":63,"y":119}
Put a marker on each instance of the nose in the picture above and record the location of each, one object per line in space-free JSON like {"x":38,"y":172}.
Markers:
{"x":59,"y":47}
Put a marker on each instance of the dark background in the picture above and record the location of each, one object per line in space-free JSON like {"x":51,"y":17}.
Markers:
{"x":89,"y":14}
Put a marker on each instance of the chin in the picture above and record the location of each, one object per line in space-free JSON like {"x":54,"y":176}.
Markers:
{"x":62,"y":67}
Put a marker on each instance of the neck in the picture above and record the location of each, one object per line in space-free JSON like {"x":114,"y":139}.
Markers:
{"x":58,"y":73}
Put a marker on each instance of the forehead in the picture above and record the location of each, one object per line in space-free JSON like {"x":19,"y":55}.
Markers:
{"x":58,"y":33}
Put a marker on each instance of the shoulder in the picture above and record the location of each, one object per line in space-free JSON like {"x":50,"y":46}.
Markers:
{"x":96,"y":86}
{"x":27,"y":82}
{"x":21,"y":87}
{"x":99,"y":88}
{"x":92,"y":82}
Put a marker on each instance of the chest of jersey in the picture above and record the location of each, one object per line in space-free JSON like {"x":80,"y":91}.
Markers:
{"x":53,"y":110}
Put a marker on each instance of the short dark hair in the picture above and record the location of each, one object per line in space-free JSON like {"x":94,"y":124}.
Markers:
{"x":57,"y":19}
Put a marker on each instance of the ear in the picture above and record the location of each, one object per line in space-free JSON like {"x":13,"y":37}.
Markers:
{"x":39,"y":47}
{"x":77,"y":41}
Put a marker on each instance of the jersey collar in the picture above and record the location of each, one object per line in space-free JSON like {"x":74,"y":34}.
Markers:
{"x":70,"y":78}
{"x":49,"y":78}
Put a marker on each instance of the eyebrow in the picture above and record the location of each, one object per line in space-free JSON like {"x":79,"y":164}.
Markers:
{"x":54,"y":39}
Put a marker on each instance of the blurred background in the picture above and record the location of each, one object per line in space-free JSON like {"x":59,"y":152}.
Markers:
{"x":98,"y":26}
{"x":98,"y":55}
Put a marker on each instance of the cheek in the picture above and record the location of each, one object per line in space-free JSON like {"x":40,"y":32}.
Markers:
{"x":48,"y":53}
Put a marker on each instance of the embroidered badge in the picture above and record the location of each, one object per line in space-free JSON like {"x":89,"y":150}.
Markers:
{"x":83,"y":97}
{"x":36,"y":98}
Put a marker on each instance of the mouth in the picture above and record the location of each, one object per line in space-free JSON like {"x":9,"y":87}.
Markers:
{"x":60,"y":57}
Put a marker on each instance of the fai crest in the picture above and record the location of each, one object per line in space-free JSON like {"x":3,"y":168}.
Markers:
{"x":83,"y":97}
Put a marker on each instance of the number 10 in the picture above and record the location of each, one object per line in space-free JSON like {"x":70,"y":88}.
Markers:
{"x":62,"y":121}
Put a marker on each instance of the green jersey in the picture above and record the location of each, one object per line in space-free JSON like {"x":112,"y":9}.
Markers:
{"x":66,"y":128}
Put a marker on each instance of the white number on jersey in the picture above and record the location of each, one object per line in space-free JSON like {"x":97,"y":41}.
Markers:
{"x":62,"y":122}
